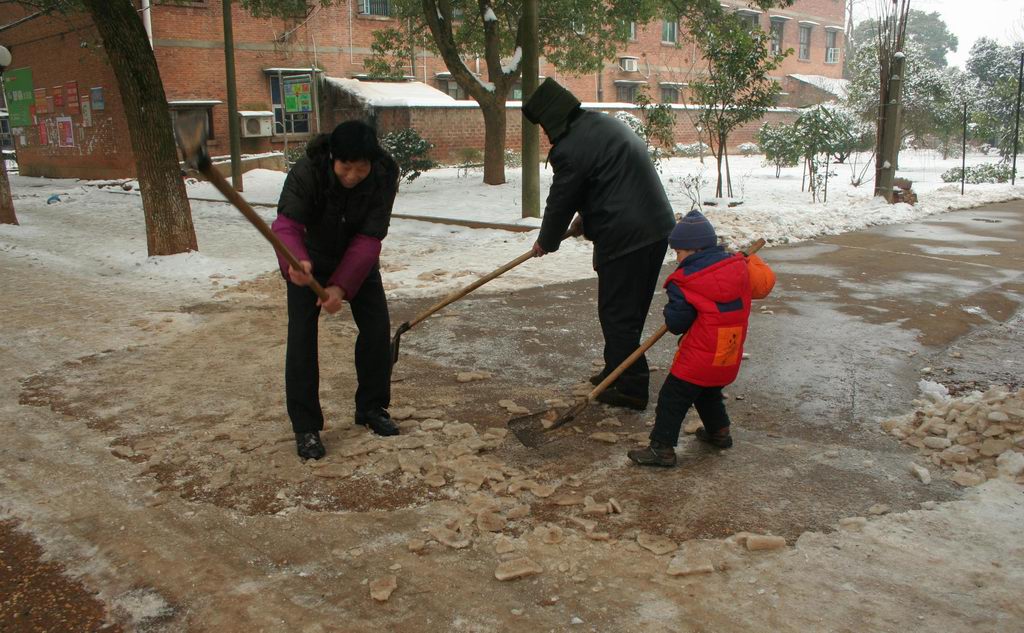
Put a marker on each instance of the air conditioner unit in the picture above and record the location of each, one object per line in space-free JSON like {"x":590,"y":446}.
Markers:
{"x":256,"y":124}
{"x":628,"y":64}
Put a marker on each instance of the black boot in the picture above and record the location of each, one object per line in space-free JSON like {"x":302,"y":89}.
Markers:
{"x":657,"y":454}
{"x":721,"y":439}
{"x":378,"y":421}
{"x":598,"y":378}
{"x":615,"y":398}
{"x":309,"y":445}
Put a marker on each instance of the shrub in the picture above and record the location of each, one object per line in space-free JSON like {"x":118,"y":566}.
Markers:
{"x":749,"y":149}
{"x":410,"y":150}
{"x":692,"y":150}
{"x":978,"y":174}
{"x":632,"y":121}
{"x":513,"y":158}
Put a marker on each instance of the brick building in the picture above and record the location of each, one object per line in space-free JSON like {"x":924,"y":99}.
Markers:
{"x":70,"y":121}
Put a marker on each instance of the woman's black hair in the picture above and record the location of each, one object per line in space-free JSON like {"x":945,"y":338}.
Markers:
{"x":354,"y":140}
{"x":351,"y":140}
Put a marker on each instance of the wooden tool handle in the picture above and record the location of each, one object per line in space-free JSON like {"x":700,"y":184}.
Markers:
{"x":612,"y":377}
{"x":233,"y":196}
{"x":458,"y":294}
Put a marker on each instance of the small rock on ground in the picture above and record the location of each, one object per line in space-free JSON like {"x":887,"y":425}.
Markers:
{"x":382,"y":588}
{"x":517,"y":568}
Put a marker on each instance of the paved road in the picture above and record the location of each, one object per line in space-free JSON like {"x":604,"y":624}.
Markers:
{"x":841,"y":343}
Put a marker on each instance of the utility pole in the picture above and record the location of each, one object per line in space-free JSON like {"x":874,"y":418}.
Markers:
{"x":531,"y":134}
{"x":1016,"y":121}
{"x":229,"y":68}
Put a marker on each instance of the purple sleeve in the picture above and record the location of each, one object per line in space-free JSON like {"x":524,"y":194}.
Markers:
{"x":356,"y":263}
{"x":291,"y":233}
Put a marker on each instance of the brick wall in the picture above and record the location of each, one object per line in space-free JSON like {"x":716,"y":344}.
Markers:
{"x":100,"y":150}
{"x":188,"y":43}
{"x":453,"y":130}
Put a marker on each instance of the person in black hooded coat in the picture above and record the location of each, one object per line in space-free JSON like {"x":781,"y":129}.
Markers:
{"x":603,"y":172}
{"x":334,"y":212}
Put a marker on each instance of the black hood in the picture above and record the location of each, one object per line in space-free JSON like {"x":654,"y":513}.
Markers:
{"x":551,"y":106}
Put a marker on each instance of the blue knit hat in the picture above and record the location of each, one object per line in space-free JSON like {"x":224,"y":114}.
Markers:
{"x":692,"y":233}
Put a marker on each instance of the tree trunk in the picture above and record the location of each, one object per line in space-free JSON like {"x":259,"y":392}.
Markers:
{"x":494,"y":142}
{"x":6,"y":202}
{"x":728,"y":172}
{"x":169,"y":227}
{"x":718,"y":161}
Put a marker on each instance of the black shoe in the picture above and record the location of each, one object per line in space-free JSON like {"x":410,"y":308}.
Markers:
{"x":721,"y":439}
{"x":309,"y":445}
{"x":654,"y":455}
{"x":378,"y":421}
{"x":598,"y":378}
{"x":615,"y":398}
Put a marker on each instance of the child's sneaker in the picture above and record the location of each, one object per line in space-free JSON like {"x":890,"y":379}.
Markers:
{"x":721,"y":439}
{"x":654,"y":455}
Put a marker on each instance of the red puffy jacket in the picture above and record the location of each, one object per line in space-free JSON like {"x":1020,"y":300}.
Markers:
{"x":710,"y":352}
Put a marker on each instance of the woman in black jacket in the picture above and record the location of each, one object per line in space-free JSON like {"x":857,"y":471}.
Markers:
{"x":334,"y":212}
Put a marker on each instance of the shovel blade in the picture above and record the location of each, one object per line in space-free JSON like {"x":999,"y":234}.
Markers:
{"x":536,"y":429}
{"x":191,"y":129}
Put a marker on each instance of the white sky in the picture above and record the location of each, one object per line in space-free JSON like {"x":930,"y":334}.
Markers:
{"x":1002,"y":20}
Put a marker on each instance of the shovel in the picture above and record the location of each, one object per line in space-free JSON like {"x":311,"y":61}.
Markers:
{"x":531,"y":429}
{"x":458,"y":294}
{"x":191,"y":133}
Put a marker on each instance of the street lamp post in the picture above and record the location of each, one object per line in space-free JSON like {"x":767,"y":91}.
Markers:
{"x":6,"y":203}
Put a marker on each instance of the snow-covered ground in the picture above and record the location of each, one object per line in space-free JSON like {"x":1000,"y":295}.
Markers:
{"x":101,"y":232}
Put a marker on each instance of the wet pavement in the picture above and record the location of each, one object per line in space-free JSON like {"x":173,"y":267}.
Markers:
{"x":852,"y":326}
{"x":854,"y":323}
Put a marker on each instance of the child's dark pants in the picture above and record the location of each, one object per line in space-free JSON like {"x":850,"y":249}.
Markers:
{"x":674,"y":401}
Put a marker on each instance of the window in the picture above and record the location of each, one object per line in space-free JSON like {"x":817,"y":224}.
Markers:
{"x":286,"y":122}
{"x":669,"y":94}
{"x":805,"y":42}
{"x":750,"y":19}
{"x":777,"y":32}
{"x":625,"y":93}
{"x":669,"y":32}
{"x":632,"y":31}
{"x":831,"y":50}
{"x":375,"y":7}
{"x":455,"y":91}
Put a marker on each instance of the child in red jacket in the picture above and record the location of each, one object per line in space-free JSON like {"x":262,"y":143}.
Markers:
{"x":709,"y":298}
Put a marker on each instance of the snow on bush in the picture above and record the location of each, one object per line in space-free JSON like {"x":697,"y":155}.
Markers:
{"x":978,"y":174}
{"x":749,"y":149}
{"x":692,"y":150}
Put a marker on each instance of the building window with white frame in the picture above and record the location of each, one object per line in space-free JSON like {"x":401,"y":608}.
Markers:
{"x":375,"y":7}
{"x":805,"y":42}
{"x":778,"y":30}
{"x":669,"y":94}
{"x":286,"y":122}
{"x":831,"y":47}
{"x":669,"y":32}
{"x":625,"y":93}
{"x":750,"y":19}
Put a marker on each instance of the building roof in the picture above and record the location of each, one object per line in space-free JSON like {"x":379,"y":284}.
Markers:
{"x":392,"y":93}
{"x":831,"y":85}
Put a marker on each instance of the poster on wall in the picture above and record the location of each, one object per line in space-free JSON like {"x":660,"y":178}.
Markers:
{"x":41,"y":103}
{"x":65,"y":132}
{"x":96,"y":98}
{"x":86,"y":112}
{"x":297,"y":94}
{"x":57,"y":92}
{"x":71,"y":97}
{"x":44,"y":138}
{"x":20,"y":97}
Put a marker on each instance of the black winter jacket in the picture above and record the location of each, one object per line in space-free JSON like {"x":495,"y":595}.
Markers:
{"x":602,"y":171}
{"x":332,"y":214}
